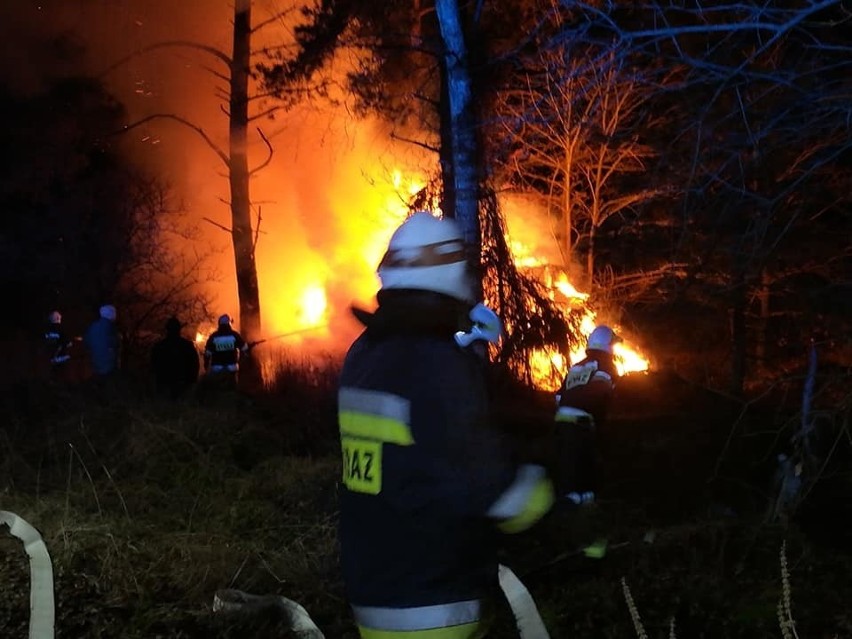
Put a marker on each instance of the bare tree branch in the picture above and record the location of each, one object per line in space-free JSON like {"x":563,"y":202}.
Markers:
{"x":266,"y":113}
{"x":217,"y":225}
{"x":422,"y":145}
{"x":216,"y":53}
{"x":268,"y":159}
{"x":277,"y":17}
{"x":171,"y":116}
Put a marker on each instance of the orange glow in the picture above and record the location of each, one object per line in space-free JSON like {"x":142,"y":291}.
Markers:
{"x":314,"y":305}
{"x":323,"y":209}
{"x":548,"y":368}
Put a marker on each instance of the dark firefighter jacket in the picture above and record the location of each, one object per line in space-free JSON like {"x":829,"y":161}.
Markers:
{"x":583,"y":399}
{"x":426,"y":483}
{"x":223,"y":349}
{"x":175,"y":364}
{"x":56,"y":344}
{"x":589,"y":384}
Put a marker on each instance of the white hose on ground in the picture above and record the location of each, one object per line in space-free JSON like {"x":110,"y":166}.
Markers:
{"x":42,"y":611}
{"x":527,"y":618}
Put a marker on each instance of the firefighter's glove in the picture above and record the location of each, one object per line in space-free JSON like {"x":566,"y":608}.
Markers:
{"x":486,"y":327}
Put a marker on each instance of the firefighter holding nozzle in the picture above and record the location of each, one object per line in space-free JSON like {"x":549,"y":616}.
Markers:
{"x":428,"y":485}
{"x":224,"y":349}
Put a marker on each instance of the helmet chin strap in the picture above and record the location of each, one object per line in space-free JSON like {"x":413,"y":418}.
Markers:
{"x":486,"y":327}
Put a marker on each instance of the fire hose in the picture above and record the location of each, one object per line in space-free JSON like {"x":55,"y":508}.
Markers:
{"x":42,"y":612}
{"x":527,"y":618}
{"x":285,"y":335}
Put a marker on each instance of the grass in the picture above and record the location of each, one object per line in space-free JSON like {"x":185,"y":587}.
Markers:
{"x":148,"y":508}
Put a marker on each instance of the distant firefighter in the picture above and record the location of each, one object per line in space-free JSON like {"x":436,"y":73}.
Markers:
{"x":225,"y":347}
{"x":57,"y":345}
{"x":102,"y":342}
{"x":174,"y":361}
{"x":583,"y":402}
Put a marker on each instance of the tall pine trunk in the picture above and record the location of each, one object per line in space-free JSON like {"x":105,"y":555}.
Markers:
{"x":462,"y":120}
{"x":241,"y":229}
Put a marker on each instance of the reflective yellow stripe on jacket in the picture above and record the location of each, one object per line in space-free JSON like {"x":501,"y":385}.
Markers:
{"x":368,"y":420}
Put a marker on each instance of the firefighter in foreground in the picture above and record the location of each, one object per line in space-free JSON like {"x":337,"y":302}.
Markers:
{"x":224,"y":349}
{"x":582,"y":404}
{"x":427,"y":485}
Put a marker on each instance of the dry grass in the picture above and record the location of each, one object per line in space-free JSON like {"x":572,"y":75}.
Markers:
{"x":146,"y":514}
{"x":148,"y":508}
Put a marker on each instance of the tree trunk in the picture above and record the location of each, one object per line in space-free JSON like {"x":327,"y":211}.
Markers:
{"x":445,"y":148}
{"x":462,"y":121}
{"x":566,"y":214}
{"x":241,"y":227}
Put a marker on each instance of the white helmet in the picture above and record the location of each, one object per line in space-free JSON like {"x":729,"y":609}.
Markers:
{"x":428,"y":253}
{"x":55,"y":317}
{"x":107,"y":311}
{"x":225,"y":320}
{"x":602,"y":339}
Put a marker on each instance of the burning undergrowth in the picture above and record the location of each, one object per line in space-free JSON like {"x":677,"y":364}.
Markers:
{"x":533,"y":321}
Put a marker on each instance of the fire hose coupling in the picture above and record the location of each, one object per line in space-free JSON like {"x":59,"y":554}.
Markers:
{"x":487,"y":327}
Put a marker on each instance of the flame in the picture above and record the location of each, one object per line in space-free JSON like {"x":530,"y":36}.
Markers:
{"x":314,"y":285}
{"x":314,"y":305}
{"x":306,"y":299}
{"x":548,"y":367}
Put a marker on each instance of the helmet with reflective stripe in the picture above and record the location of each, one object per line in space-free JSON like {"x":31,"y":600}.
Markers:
{"x":55,"y":317}
{"x":225,"y":320}
{"x":602,"y":339}
{"x":428,"y":253}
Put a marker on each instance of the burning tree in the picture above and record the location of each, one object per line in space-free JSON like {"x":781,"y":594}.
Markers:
{"x":753,"y":143}
{"x":416,"y":72}
{"x":238,"y":70}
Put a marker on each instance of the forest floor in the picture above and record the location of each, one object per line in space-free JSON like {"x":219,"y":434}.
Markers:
{"x":149,"y":507}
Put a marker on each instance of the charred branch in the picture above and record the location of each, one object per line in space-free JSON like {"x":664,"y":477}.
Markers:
{"x":270,"y":150}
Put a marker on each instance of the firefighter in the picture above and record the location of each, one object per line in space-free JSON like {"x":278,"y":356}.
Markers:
{"x":582,"y":404}
{"x":174,"y":361}
{"x":223,"y":351}
{"x":102,"y":342}
{"x":427,"y":484}
{"x":57,"y":345}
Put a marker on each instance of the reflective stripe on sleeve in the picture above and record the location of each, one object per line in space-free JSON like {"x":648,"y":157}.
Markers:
{"x":420,"y":618}
{"x":375,"y":415}
{"x":571,"y":414}
{"x":525,"y":501}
